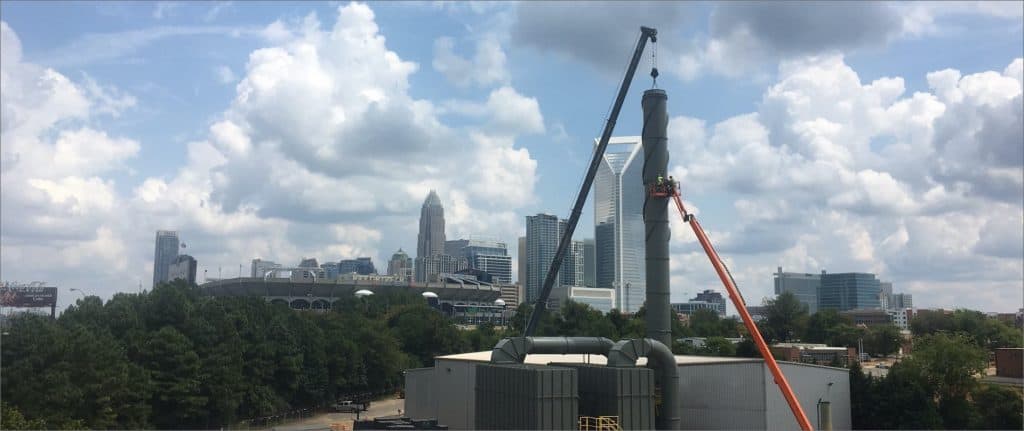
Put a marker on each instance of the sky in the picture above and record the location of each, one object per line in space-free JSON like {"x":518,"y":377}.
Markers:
{"x":846,"y":136}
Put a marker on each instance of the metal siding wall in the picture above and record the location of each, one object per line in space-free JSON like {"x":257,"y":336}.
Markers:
{"x":722,"y":396}
{"x":420,"y":402}
{"x":455,"y":393}
{"x":810,"y":383}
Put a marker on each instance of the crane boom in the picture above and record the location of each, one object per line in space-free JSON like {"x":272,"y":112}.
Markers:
{"x":741,"y":307}
{"x":581,"y":198}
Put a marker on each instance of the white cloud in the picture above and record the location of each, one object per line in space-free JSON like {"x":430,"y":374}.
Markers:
{"x":486,"y":68}
{"x":225,"y":75}
{"x":833,"y":173}
{"x":216,"y":9}
{"x":165,"y":9}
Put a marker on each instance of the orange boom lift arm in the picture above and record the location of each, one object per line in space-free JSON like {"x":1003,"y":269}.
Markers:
{"x":672,"y":190}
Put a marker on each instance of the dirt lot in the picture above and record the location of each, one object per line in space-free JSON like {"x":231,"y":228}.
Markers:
{"x":387,"y":407}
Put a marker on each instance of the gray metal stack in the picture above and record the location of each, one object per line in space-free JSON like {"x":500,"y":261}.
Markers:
{"x":655,"y":142}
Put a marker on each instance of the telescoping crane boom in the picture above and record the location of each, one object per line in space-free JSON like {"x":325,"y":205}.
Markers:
{"x":734,"y":294}
{"x":581,"y":198}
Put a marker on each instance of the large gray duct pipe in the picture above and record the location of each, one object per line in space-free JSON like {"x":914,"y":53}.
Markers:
{"x":625,"y":354}
{"x":656,"y":216}
{"x":514,"y":350}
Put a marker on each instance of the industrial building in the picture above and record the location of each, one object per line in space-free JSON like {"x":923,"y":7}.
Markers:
{"x":533,"y":382}
{"x":714,"y":392}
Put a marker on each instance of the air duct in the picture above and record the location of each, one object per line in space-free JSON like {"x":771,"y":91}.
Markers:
{"x":514,"y":350}
{"x":625,"y":354}
{"x":655,"y":140}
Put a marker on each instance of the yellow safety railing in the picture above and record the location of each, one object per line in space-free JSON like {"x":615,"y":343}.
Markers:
{"x":599,"y":423}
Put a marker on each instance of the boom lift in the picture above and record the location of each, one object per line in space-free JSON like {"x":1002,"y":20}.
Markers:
{"x":663,"y":190}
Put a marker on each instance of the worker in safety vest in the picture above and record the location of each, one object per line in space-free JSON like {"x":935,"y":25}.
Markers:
{"x":661,"y":180}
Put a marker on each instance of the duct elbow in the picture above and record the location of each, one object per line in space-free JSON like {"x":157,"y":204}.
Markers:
{"x":514,"y":350}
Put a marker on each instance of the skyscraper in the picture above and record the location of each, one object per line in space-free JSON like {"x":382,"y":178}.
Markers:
{"x":486,"y":255}
{"x":522,"y":263}
{"x":543,"y":232}
{"x":572,"y":271}
{"x":359,"y":265}
{"x":848,"y":291}
{"x":589,"y":263}
{"x":400,"y":265}
{"x":902,"y":301}
{"x":431,"y":236}
{"x":183,"y":268}
{"x":165,"y":255}
{"x":618,"y":223}
{"x":712,"y":297}
{"x":804,"y":286}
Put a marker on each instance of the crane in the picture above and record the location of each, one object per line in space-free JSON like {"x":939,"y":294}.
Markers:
{"x":663,"y":191}
{"x":672,"y":190}
{"x":646,"y":33}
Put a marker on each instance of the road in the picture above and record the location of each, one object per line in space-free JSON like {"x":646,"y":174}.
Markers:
{"x":386,"y":407}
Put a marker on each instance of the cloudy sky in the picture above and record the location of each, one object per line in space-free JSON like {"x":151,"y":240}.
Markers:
{"x":856,"y":136}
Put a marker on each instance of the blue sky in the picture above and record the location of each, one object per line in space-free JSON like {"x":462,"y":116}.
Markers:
{"x":814,"y":136}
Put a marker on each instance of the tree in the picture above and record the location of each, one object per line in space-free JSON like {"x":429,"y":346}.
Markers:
{"x":424,"y":333}
{"x":705,"y":323}
{"x":883,"y":340}
{"x":786,"y":317}
{"x":717,"y":346}
{"x":998,"y":408}
{"x":822,"y":326}
{"x":949,"y":363}
{"x":174,"y":367}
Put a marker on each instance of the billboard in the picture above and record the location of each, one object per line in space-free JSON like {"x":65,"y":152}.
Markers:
{"x":27,"y":295}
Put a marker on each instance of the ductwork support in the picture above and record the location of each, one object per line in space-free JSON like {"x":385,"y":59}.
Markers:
{"x":514,"y":350}
{"x":660,"y":358}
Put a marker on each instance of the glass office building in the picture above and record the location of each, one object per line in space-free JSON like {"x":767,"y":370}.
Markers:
{"x":848,"y":291}
{"x":618,"y":223}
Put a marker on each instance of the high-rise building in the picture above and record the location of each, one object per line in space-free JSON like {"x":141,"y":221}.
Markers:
{"x":331,"y":270}
{"x":543,"y":231}
{"x":431,"y":237}
{"x":165,"y":255}
{"x":712,"y":297}
{"x":804,"y":286}
{"x":885,"y":294}
{"x":692,"y":306}
{"x":848,"y":291}
{"x":618,"y":223}
{"x":183,"y":268}
{"x":589,"y":263}
{"x":359,"y":265}
{"x":260,"y":267}
{"x":485,"y":255}
{"x":309,"y":263}
{"x":902,"y":301}
{"x":572,"y":271}
{"x":400,"y":266}
{"x":429,"y":269}
{"x":522,"y":263}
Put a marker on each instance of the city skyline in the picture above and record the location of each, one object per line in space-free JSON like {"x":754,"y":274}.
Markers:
{"x":891,"y":147}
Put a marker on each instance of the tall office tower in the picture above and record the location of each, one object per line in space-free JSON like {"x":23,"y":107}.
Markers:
{"x":804,"y":286}
{"x":430,"y":269}
{"x":522,"y":263}
{"x":431,"y":237}
{"x":618,"y":223}
{"x":486,"y":255}
{"x":848,"y":291}
{"x":885,"y":294}
{"x":902,"y":301}
{"x":589,"y":263}
{"x":400,"y":265}
{"x":331,"y":270}
{"x":543,"y":231}
{"x":261,"y":267}
{"x":183,"y":268}
{"x":572,"y":271}
{"x":165,"y":255}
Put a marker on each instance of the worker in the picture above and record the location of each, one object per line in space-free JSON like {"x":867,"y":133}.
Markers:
{"x":671,"y":183}
{"x":661,"y":180}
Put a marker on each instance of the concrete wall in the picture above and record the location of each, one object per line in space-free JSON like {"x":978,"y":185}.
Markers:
{"x":810,"y":383}
{"x":455,"y":393}
{"x":420,"y":402}
{"x":722,"y":395}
